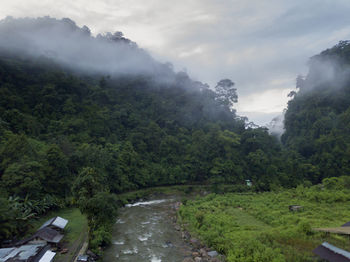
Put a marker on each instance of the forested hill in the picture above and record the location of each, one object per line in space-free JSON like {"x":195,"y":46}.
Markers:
{"x":133,"y":130}
{"x":61,"y":124}
{"x":317,"y":120}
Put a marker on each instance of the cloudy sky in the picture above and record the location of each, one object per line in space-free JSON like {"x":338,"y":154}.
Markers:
{"x":262,"y":45}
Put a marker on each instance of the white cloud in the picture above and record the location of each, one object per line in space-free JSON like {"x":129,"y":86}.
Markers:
{"x":268,"y":101}
{"x":195,"y":51}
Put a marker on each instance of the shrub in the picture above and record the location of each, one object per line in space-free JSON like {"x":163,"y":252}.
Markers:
{"x":101,"y":237}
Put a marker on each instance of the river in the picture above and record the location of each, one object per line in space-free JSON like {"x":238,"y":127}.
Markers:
{"x":144,"y":231}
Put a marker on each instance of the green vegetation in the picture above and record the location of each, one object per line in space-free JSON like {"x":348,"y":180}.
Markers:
{"x":260,"y":227}
{"x":70,"y":137}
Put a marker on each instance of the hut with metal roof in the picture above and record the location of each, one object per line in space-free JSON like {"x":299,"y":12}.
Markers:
{"x":295,"y":208}
{"x":45,"y":235}
{"x":58,"y":223}
{"x":347,"y":224}
{"x":332,"y":253}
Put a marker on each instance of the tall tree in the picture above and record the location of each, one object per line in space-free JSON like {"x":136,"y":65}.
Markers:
{"x":226,"y":93}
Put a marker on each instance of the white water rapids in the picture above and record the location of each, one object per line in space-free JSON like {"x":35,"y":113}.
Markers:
{"x":144,"y":232}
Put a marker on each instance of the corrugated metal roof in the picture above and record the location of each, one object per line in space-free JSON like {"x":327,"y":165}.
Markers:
{"x":55,"y":221}
{"x":48,"y":256}
{"x":47,"y":234}
{"x":4,"y":252}
{"x":346,"y":224}
{"x":47,"y":223}
{"x":60,"y":222}
{"x":336,"y":250}
{"x":22,"y":253}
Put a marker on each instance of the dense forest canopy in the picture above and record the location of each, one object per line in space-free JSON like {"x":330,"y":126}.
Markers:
{"x":83,"y":118}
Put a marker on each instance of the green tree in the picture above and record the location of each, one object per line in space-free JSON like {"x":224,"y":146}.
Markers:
{"x":88,"y":183}
{"x":100,"y":209}
{"x":57,"y":178}
{"x":24,"y":179}
{"x":226,"y":93}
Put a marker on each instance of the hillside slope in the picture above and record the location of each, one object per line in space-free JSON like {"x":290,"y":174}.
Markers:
{"x":317,"y":120}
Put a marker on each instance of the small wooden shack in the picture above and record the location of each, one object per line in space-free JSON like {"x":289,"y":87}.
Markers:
{"x":332,"y":253}
{"x":295,"y":208}
{"x":248,"y":182}
{"x":347,"y":224}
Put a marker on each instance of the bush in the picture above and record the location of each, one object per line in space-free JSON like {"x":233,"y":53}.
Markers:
{"x":199,"y":218}
{"x":101,"y":237}
{"x":305,"y":228}
{"x":251,"y":251}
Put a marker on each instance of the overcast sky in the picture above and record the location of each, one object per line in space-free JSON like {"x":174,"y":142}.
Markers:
{"x":261,"y":45}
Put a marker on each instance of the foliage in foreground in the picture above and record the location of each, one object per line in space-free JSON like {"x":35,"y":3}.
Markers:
{"x":260,"y":227}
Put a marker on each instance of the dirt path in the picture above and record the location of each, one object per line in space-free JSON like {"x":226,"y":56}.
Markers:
{"x":73,"y":249}
{"x":83,"y":250}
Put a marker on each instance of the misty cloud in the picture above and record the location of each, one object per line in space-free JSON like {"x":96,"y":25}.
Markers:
{"x":75,"y":47}
{"x":276,"y":126}
{"x":325,"y":72}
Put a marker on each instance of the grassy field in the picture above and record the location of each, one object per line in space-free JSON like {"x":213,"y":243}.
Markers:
{"x":260,"y":227}
{"x":75,"y":231}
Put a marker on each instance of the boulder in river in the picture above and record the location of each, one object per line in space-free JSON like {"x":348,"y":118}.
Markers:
{"x":203,"y":252}
{"x":169,"y":244}
{"x":177,"y":205}
{"x":186,"y":235}
{"x":213,"y":253}
{"x":195,"y":242}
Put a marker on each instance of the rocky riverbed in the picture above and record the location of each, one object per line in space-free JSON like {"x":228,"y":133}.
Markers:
{"x":148,"y":231}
